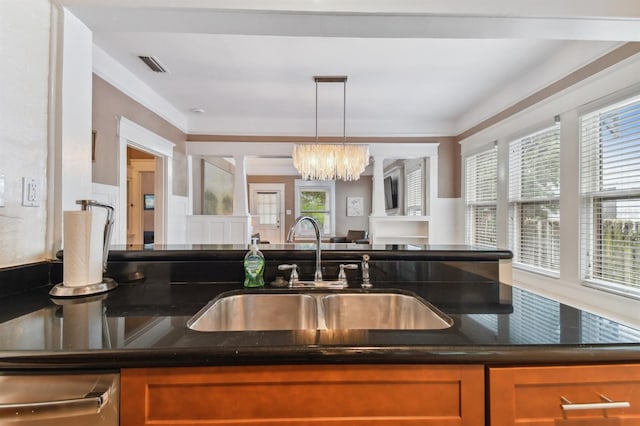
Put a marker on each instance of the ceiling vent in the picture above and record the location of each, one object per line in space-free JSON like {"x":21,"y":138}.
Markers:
{"x":152,"y":63}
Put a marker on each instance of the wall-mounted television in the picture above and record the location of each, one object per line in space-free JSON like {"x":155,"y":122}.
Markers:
{"x":391,"y":192}
{"x":149,"y":201}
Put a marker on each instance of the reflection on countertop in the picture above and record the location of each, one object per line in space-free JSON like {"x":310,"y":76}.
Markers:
{"x":145,"y":322}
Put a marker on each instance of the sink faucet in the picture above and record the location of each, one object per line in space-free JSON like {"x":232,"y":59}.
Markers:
{"x":316,"y":227}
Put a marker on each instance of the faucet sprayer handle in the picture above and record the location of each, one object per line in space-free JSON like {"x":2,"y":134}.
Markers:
{"x":342,"y":275}
{"x":294,"y":272}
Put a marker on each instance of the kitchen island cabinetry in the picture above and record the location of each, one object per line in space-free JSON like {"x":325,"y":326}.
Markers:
{"x":304,"y":394}
{"x":565,"y":395}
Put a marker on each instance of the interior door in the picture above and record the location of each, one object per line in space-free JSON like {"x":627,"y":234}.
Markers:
{"x":267,"y":205}
{"x":140,"y":181}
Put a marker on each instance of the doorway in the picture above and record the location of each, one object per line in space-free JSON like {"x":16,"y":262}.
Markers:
{"x":132,"y":135}
{"x":267,"y":211}
{"x":140,"y":197}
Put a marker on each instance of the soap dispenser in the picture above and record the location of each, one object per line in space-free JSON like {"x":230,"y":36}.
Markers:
{"x":254,"y":266}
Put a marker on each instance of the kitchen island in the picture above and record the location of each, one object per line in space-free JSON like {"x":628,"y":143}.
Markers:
{"x":140,"y":329}
{"x":143,"y":322}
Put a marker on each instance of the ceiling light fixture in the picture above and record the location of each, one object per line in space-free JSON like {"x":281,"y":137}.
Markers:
{"x":318,"y":161}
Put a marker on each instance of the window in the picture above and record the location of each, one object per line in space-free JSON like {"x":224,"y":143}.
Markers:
{"x":481,"y":175}
{"x":610,"y":197}
{"x":315,"y":199}
{"x":414,"y":178}
{"x":534,"y":200}
{"x":266,"y":207}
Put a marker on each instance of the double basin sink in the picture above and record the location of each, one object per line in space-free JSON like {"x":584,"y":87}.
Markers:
{"x":318,"y":310}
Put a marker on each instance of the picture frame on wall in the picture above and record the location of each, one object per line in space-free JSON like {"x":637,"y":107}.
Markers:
{"x":355,"y":206}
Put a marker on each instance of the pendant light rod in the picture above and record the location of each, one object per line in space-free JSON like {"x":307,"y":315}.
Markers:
{"x":334,"y":79}
{"x":344,"y":110}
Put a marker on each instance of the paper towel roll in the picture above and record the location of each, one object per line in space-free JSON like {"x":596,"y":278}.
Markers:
{"x":83,"y":246}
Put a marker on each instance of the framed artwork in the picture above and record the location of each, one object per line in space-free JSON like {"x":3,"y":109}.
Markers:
{"x":355,"y":206}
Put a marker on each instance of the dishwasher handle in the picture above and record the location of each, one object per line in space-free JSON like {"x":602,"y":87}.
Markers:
{"x":91,"y":403}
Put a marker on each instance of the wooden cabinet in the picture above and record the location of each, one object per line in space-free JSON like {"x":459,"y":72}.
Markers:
{"x":536,"y":395}
{"x":304,"y":395}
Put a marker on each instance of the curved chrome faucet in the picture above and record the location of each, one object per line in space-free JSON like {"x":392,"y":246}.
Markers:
{"x":316,"y":227}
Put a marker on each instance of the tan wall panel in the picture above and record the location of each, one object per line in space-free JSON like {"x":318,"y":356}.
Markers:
{"x":108,"y":104}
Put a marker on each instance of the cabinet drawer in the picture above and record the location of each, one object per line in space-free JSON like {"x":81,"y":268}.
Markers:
{"x":305,"y":394}
{"x":536,"y":395}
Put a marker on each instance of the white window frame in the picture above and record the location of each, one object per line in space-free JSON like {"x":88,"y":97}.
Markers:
{"x":472,"y":205}
{"x":591,"y":192}
{"x":319,"y":185}
{"x":518,"y":150}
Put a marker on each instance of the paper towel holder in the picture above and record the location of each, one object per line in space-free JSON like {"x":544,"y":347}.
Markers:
{"x":60,"y":290}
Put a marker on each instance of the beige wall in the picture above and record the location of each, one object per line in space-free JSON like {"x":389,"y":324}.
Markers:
{"x":24,"y":99}
{"x":449,"y":169}
{"x":108,"y":104}
{"x":360,"y":188}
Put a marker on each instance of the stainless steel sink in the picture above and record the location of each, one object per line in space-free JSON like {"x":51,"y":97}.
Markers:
{"x":318,"y":311}
{"x":378,"y":311}
{"x":255,"y":311}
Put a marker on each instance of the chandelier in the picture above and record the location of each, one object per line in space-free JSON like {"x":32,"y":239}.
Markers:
{"x":319,"y":161}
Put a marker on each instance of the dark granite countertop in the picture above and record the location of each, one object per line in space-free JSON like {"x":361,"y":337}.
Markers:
{"x":144,"y":324}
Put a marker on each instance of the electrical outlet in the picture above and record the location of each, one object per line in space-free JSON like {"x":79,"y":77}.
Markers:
{"x":31,"y":192}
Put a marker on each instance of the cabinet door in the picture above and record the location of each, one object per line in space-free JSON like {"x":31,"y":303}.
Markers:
{"x":304,"y":395}
{"x":560,"y":395}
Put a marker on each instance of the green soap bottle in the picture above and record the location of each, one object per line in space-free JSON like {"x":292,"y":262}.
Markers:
{"x":254,"y":267}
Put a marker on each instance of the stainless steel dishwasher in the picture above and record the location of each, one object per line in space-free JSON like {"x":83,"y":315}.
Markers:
{"x":59,"y":399}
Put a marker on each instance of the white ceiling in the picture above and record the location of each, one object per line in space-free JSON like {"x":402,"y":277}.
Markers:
{"x":410,"y":72}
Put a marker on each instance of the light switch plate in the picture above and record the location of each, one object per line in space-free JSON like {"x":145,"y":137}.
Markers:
{"x":1,"y":190}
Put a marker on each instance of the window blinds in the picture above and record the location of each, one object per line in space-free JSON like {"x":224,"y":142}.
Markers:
{"x":414,"y":184}
{"x":610,"y":195}
{"x":534,"y":199}
{"x":481,"y":178}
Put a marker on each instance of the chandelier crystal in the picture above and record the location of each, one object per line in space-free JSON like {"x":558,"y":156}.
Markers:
{"x":330,"y":161}
{"x":318,"y":161}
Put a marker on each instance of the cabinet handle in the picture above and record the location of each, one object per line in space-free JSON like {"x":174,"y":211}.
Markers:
{"x":606,"y":404}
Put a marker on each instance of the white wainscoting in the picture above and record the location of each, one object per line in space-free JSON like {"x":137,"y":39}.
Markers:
{"x":177,"y":220}
{"x":210,"y":229}
{"x":447,"y":221}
